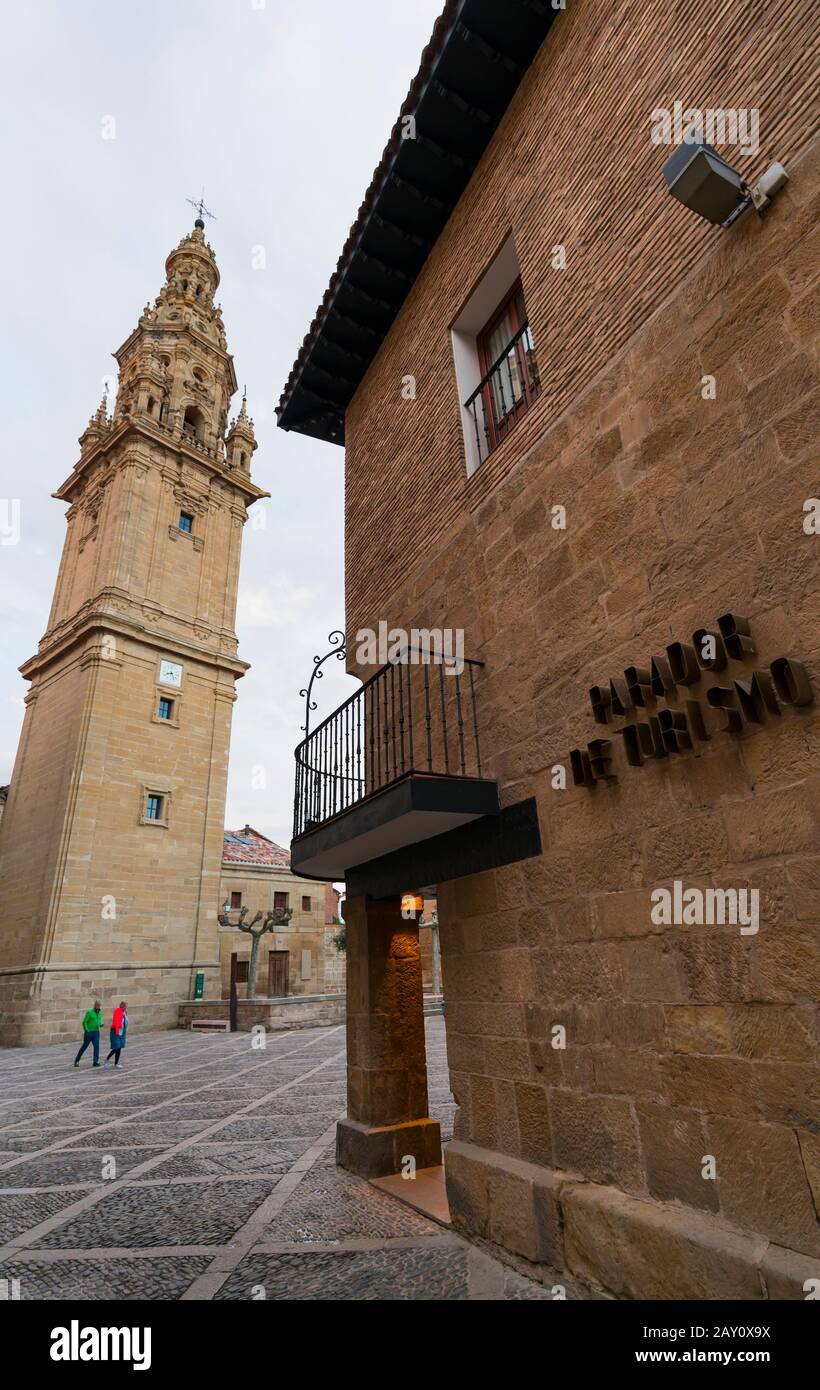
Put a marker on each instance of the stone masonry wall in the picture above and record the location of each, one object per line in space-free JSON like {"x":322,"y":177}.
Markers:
{"x":681,"y":1042}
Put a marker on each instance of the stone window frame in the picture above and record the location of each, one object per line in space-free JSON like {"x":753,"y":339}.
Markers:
{"x":194,"y":506}
{"x":175,"y":534}
{"x":485,"y":300}
{"x":176,"y":700}
{"x":164,"y":793}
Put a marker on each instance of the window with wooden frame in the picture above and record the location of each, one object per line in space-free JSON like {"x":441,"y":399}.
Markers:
{"x":280,"y":900}
{"x":509,"y":372}
{"x":236,"y":901}
{"x":242,"y":971}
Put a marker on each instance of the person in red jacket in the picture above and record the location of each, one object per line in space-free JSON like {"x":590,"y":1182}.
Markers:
{"x":116,"y":1036}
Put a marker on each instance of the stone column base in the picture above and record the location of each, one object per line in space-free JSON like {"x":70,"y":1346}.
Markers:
{"x":627,"y":1247}
{"x":376,"y":1151}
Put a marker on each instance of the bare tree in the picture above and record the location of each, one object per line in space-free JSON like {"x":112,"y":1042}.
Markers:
{"x":272,"y":918}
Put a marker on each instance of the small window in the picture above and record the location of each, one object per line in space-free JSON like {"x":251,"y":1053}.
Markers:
{"x":306,"y":904}
{"x":154,"y":806}
{"x":280,"y":900}
{"x":165,"y":709}
{"x":494,"y":356}
{"x":242,"y":967}
{"x":236,"y":901}
{"x":186,"y":521}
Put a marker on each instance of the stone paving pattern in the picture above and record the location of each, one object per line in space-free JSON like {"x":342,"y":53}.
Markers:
{"x":205,"y":1168}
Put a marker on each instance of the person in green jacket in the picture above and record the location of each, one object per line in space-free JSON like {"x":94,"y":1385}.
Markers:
{"x":92,"y":1023}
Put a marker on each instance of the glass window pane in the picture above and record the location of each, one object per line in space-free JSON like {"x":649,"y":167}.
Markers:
{"x":498,"y":339}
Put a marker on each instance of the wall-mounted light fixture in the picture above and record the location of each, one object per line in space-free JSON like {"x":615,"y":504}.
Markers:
{"x":705,"y":183}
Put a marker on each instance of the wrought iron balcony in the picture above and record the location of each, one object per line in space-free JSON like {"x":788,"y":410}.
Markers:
{"x":505,"y":393}
{"x":397,"y":763}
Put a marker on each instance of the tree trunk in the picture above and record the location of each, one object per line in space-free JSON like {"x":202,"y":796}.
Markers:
{"x":257,"y":937}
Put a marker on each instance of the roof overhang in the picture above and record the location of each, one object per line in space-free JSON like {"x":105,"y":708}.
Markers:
{"x":470,"y":70}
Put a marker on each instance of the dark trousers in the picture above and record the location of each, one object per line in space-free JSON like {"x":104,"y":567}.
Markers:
{"x":115,"y":1053}
{"x":90,"y":1040}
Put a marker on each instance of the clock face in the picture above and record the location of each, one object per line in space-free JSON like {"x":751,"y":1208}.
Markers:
{"x":170,"y":673}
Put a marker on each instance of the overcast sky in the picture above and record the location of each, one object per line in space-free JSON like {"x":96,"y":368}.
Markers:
{"x":281,"y":109}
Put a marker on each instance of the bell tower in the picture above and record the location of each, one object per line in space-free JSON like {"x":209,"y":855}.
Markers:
{"x":111,"y":842}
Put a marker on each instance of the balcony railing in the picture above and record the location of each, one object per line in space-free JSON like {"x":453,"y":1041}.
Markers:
{"x":409,"y":718}
{"x":504,"y":394}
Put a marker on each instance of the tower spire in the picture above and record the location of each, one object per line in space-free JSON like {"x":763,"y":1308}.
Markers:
{"x":141,"y":631}
{"x":240,"y":441}
{"x":198,"y":204}
{"x":98,"y":424}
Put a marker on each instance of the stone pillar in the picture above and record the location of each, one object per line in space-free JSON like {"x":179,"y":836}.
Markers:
{"x":436,"y":957}
{"x":387,"y":1118}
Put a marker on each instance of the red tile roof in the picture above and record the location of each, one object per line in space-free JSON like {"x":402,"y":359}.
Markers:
{"x":249,"y":847}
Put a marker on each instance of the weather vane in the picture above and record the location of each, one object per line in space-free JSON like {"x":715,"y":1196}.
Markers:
{"x":198,"y":204}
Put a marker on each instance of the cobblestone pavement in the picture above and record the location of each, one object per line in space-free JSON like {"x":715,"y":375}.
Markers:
{"x":203,"y":1168}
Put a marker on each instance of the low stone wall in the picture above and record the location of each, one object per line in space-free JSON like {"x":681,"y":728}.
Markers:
{"x":39,"y":1006}
{"x":620,"y":1245}
{"x":296,"y":1011}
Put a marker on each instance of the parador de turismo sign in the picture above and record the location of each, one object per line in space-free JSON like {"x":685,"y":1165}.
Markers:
{"x":750,"y":698}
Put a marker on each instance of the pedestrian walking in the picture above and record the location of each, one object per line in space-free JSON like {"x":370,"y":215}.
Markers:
{"x":92,"y":1023}
{"x":117,"y":1033}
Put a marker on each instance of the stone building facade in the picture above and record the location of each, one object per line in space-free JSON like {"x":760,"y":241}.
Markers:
{"x":638,"y":1099}
{"x":256,"y":874}
{"x":111,"y":841}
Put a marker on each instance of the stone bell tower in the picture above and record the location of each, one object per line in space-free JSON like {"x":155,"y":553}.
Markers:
{"x":111,"y":842}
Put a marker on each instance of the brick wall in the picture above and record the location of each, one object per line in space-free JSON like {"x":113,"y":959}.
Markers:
{"x":681,"y":1042}
{"x":572,"y":163}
